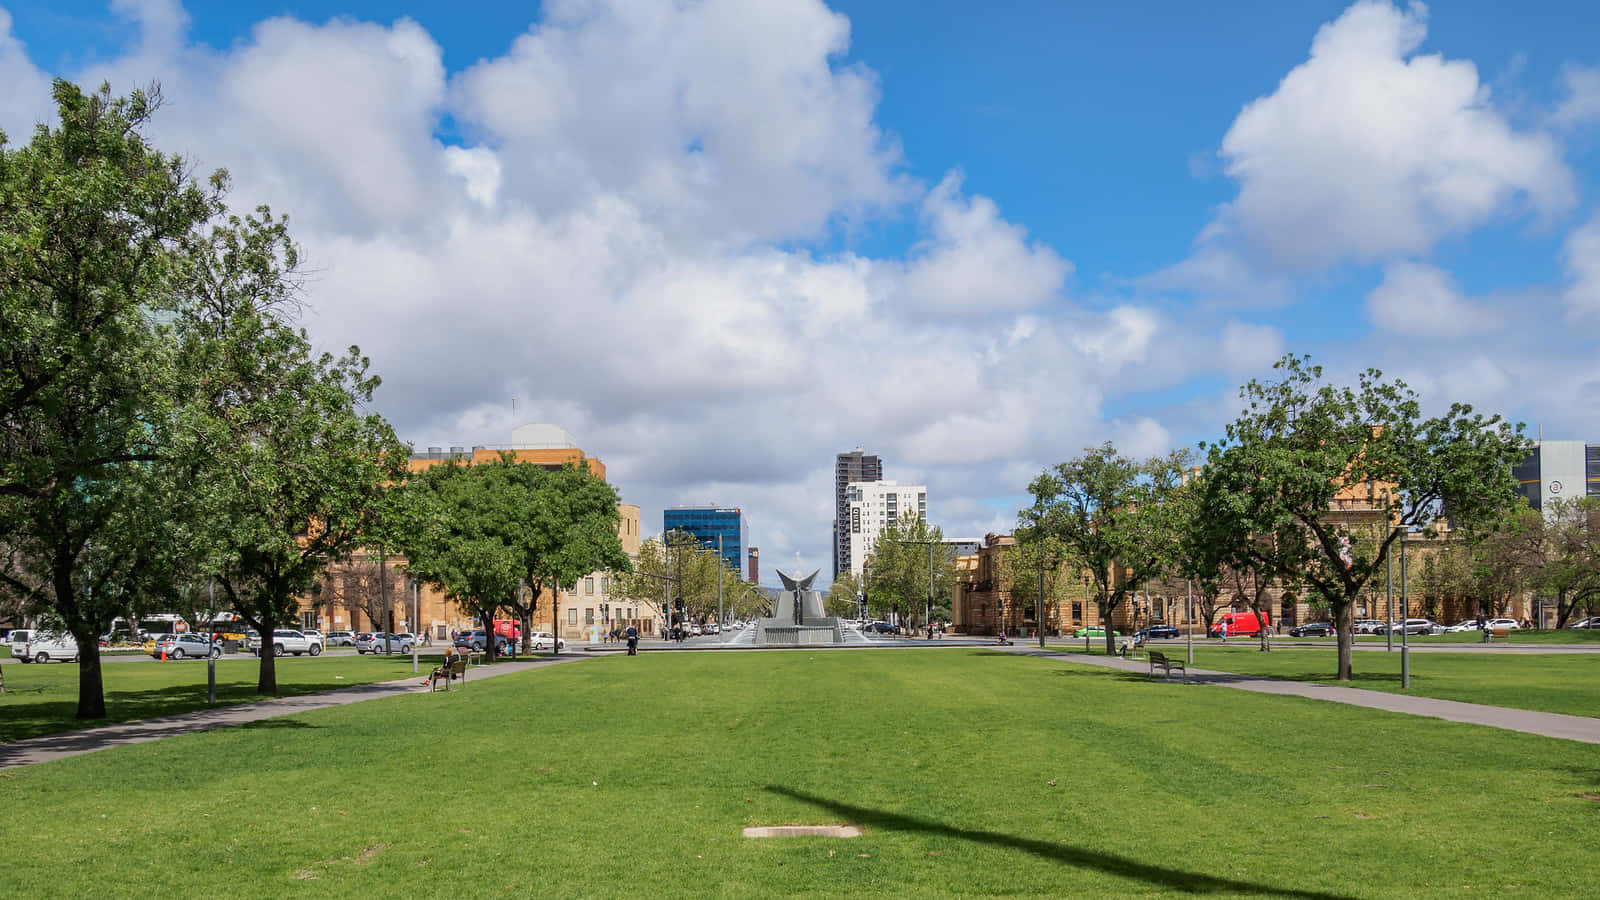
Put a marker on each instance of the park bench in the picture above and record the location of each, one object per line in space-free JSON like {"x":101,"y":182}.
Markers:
{"x":456,"y":669}
{"x":1502,"y":633}
{"x":1166,"y":664}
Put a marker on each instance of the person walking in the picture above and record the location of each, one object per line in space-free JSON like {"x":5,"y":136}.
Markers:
{"x":1224,"y":630}
{"x":633,"y":641}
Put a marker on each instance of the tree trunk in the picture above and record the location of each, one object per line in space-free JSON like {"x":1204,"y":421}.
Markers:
{"x":489,"y":642}
{"x":91,"y":685}
{"x":525,"y":620}
{"x":1344,"y":624}
{"x":1105,"y":626}
{"x":267,"y":678}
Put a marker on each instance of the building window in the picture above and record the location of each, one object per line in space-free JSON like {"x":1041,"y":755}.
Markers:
{"x":588,"y":616}
{"x":588,"y":585}
{"x":572,"y":616}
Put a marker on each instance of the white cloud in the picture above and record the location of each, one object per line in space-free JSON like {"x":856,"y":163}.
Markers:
{"x":1121,"y":337}
{"x":723,"y":120}
{"x":1369,"y":150}
{"x":1581,"y":256}
{"x":1422,"y":300}
{"x":976,"y":262}
{"x":480,"y":168}
{"x":1581,"y":105}
{"x":26,"y":97}
{"x":1249,"y":347}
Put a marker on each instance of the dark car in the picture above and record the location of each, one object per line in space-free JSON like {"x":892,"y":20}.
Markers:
{"x":881,"y":628}
{"x":1312,"y":629}
{"x":1157,"y":631}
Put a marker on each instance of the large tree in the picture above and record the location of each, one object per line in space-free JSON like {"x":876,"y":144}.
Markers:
{"x":288,"y":474}
{"x":565,"y":527}
{"x":93,"y":221}
{"x":1303,"y":444}
{"x":465,"y":541}
{"x":1562,"y":546}
{"x":910,"y":571}
{"x":1118,"y":516}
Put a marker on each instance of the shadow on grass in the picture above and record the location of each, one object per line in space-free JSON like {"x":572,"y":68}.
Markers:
{"x":275,"y":723}
{"x":1111,"y":864}
{"x":26,"y":717}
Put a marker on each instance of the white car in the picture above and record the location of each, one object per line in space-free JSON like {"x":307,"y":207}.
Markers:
{"x":1504,"y":625}
{"x":542,"y":639}
{"x":341,"y":639}
{"x":286,"y":640}
{"x":1417,"y":626}
{"x":49,"y":645}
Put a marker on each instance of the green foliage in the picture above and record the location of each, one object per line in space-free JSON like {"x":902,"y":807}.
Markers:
{"x":93,"y":222}
{"x":285,"y":472}
{"x":909,"y":564}
{"x":1118,"y":517}
{"x":678,"y":565}
{"x":1300,"y":442}
{"x":563,"y":525}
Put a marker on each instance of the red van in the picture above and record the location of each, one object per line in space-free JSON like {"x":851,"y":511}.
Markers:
{"x":1241,"y":624}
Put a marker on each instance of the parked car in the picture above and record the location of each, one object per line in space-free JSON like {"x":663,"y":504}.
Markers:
{"x":1504,"y":625}
{"x":1365,"y":626}
{"x":477,"y":640}
{"x":542,"y":639}
{"x":879,"y":628}
{"x":1157,"y":631}
{"x":284,"y":640}
{"x":44,"y":646}
{"x":1095,"y":631}
{"x":1468,"y":625}
{"x":178,"y":646}
{"x":1418,"y":626}
{"x":380,"y":642}
{"x":1591,"y":622}
{"x":341,"y":639}
{"x":314,"y":635}
{"x":1313,"y":629}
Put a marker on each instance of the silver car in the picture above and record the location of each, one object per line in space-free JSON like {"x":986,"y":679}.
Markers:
{"x":399,"y":642}
{"x":179,"y":646}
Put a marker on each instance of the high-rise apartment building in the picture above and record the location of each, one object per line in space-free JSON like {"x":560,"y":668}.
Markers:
{"x":873,"y":505}
{"x":853,"y":467}
{"x":707,"y":524}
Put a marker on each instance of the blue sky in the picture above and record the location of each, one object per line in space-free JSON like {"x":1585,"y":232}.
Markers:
{"x":721,"y":241}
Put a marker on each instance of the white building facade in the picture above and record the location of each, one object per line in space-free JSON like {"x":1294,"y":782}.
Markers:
{"x":872,"y":505}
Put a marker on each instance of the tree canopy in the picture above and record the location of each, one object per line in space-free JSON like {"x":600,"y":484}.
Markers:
{"x":1117,"y":516}
{"x":1303,"y":450}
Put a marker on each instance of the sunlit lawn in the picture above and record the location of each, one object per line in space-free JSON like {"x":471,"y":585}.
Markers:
{"x":972,"y":773}
{"x":42,"y":699}
{"x":1547,"y":682}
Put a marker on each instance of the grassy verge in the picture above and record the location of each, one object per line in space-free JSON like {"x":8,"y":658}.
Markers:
{"x":42,"y":699}
{"x":1547,"y":682}
{"x":971,"y":772}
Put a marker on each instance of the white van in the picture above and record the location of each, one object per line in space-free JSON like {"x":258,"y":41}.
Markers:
{"x":49,"y":645}
{"x":18,"y":639}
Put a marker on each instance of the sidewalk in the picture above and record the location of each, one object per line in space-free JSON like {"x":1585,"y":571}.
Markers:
{"x":1556,"y":725}
{"x":75,"y":743}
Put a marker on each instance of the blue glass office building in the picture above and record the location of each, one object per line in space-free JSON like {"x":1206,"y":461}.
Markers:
{"x":706,"y":523}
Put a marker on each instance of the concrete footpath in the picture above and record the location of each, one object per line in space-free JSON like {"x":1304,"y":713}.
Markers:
{"x":1556,"y":725}
{"x":75,"y":743}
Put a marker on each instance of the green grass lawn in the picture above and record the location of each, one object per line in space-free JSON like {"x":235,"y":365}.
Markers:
{"x":972,"y":773}
{"x":1547,"y":682}
{"x":42,"y":699}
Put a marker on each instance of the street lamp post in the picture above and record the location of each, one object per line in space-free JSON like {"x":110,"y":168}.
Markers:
{"x":1188,"y":617}
{"x":1405,"y":614}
